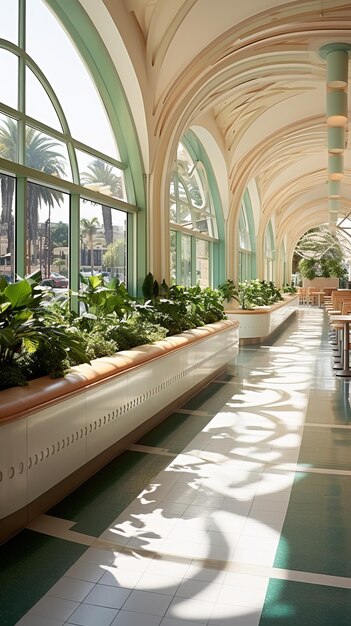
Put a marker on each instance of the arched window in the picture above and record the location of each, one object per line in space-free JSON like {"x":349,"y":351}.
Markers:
{"x":269,"y":252}
{"x":66,"y":193}
{"x":193,"y":222}
{"x":246,"y":241}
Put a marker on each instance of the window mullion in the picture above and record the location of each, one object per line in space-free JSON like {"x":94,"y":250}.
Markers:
{"x":20,"y":226}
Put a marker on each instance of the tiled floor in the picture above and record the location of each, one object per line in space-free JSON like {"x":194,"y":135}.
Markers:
{"x":235,"y":511}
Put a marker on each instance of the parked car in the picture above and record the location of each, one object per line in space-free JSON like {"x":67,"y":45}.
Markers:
{"x":7,"y":277}
{"x":56,"y":281}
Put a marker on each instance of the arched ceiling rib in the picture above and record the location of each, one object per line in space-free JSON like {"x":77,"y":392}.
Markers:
{"x":253,"y":68}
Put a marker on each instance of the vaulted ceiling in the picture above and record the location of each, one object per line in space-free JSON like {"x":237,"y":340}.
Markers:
{"x":251,"y":73}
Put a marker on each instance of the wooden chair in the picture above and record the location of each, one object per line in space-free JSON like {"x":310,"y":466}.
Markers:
{"x":301,"y":292}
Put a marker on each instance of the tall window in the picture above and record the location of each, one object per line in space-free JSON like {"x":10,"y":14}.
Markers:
{"x":269,"y":252}
{"x":192,"y":221}
{"x":103,"y":237}
{"x":60,"y":147}
{"x":245,"y":253}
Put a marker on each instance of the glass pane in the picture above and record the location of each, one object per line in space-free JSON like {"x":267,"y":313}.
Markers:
{"x":173,"y":253}
{"x":100,"y":176}
{"x":8,"y":73}
{"x":47,"y":235}
{"x":7,"y":222}
{"x":103,"y":241}
{"x":202,"y":263}
{"x":9,"y":20}
{"x":46,"y":154}
{"x":8,"y":138}
{"x":195,"y":192}
{"x":38,"y":103}
{"x":185,"y":278}
{"x":190,"y":198}
{"x":69,"y":78}
{"x":173,"y":212}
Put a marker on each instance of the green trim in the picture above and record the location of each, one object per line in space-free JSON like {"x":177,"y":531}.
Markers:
{"x":20,"y":238}
{"x":193,"y":260}
{"x":93,"y":51}
{"x":334,"y":47}
{"x":74,"y":247}
{"x":198,"y":153}
{"x":251,"y":224}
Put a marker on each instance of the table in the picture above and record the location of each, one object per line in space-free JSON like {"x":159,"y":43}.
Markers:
{"x":319,"y":294}
{"x":345,"y":320}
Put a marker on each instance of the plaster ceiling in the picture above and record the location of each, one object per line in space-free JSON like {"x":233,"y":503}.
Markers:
{"x":252,"y":69}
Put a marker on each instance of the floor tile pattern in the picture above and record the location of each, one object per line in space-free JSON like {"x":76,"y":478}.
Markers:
{"x":234,"y":511}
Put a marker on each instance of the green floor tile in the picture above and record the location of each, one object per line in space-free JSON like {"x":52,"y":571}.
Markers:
{"x":291,"y":603}
{"x":175,"y":432}
{"x":212,"y":398}
{"x":95,"y":504}
{"x":315,"y":535}
{"x":30,"y":564}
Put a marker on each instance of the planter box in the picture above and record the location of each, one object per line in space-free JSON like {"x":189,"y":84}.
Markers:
{"x":320,"y":284}
{"x":54,"y":434}
{"x":257,"y":325}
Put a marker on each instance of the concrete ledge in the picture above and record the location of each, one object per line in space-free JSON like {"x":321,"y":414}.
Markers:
{"x":259,"y":324}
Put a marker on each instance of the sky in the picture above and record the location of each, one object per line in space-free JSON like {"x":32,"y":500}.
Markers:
{"x":50,"y":47}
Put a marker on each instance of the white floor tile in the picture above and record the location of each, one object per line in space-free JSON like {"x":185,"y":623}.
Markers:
{"x":103,"y":595}
{"x":159,"y":584}
{"x":130,"y":618}
{"x":199,"y":590}
{"x":246,"y":581}
{"x":83,"y":570}
{"x":55,"y":608}
{"x":71,"y":589}
{"x":134,"y":562}
{"x":240,"y":596}
{"x":167,"y":621}
{"x":99,"y":557}
{"x":117,"y":577}
{"x":205,"y":574}
{"x":169,"y":567}
{"x":37,"y":620}
{"x":190,"y":609}
{"x":223,"y":615}
{"x":88,"y":615}
{"x":148,"y":602}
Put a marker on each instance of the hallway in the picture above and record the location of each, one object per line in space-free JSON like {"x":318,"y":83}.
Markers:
{"x":234,"y":511}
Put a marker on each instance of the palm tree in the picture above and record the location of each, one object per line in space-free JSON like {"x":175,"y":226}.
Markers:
{"x":40,"y":154}
{"x":101,"y":172}
{"x":8,"y":150}
{"x":88,"y":229}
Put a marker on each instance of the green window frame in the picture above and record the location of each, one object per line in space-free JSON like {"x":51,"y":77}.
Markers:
{"x":87,"y":169}
{"x":246,"y":241}
{"x":196,"y":225}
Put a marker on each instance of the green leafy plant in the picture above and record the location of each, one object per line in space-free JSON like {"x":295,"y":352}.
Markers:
{"x":258,"y":293}
{"x":38,"y":337}
{"x":228,"y":291}
{"x":28,"y":341}
{"x":101,"y":300}
{"x":308,"y":268}
{"x":289,"y":288}
{"x":135,"y":331}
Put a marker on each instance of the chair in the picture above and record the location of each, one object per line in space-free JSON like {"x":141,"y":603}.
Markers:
{"x":301,"y":292}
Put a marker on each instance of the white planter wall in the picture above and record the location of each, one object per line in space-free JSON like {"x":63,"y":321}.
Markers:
{"x":41,"y":449}
{"x":259,"y":323}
